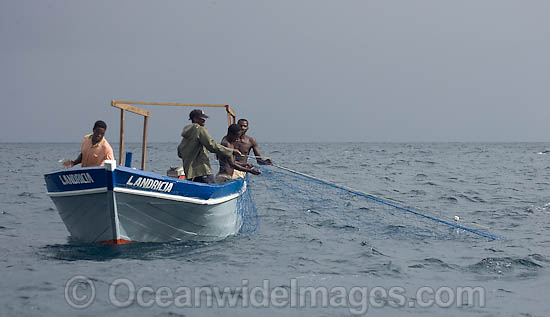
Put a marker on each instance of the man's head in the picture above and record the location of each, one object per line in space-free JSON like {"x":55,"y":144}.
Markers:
{"x":198,"y":116}
{"x":233,"y":132}
{"x":99,"y":131}
{"x":243,"y":123}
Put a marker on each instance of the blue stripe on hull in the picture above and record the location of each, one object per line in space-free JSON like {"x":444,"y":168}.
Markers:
{"x":143,"y":206}
{"x":123,"y":177}
{"x":152,"y":182}
{"x":76,"y":179}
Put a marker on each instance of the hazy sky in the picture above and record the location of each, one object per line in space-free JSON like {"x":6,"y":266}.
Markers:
{"x":300,"y":71}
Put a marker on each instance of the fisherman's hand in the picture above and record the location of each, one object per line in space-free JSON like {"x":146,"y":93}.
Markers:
{"x":266,"y":161}
{"x":255,"y":171}
{"x":249,"y":165}
{"x":237,"y":152}
{"x":68,"y":163}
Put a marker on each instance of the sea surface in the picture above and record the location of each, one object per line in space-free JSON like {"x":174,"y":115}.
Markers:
{"x":360,"y":256}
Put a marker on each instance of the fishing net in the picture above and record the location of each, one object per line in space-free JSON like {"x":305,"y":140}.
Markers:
{"x":346,"y":208}
{"x":247,"y":210}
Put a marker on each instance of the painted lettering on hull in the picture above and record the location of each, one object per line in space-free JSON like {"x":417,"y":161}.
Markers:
{"x":149,"y":183}
{"x":76,"y":179}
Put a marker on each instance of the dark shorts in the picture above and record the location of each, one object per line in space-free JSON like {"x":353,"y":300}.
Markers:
{"x":208,"y":179}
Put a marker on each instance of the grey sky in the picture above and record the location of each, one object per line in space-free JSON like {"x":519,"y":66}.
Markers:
{"x":299,"y":70}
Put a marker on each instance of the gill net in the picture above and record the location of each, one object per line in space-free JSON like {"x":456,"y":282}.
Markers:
{"x":348,"y":207}
{"x":248,"y":213}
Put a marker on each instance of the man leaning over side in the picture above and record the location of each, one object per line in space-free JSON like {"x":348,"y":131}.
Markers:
{"x":232,"y":169}
{"x":195,"y":147}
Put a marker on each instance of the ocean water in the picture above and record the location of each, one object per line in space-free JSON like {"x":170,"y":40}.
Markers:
{"x":361,"y":257}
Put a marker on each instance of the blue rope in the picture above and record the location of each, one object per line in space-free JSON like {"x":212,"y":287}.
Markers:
{"x":392,"y":204}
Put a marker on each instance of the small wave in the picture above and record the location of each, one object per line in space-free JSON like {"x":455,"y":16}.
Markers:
{"x":474,"y":199}
{"x":27,"y":194}
{"x":276,"y":209}
{"x":494,"y":250}
{"x":504,"y":265}
{"x":420,"y":176}
{"x":340,"y":167}
{"x":537,"y":209}
{"x":329,"y":223}
{"x":393,"y":229}
{"x":417,"y":192}
{"x":316,"y":241}
{"x":539,"y":257}
{"x":449,"y":198}
{"x":321,"y":162}
{"x":430,"y":184}
{"x":44,"y":288}
{"x":346,"y":227}
{"x":426,"y":162}
{"x":304,"y":259}
{"x":434,"y":263}
{"x":313,"y":211}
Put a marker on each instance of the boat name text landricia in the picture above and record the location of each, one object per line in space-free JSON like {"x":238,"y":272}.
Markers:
{"x":148,"y":183}
{"x":76,"y":179}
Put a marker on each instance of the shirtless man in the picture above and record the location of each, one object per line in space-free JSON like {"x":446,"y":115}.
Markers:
{"x":228,"y":166}
{"x":246,"y":143}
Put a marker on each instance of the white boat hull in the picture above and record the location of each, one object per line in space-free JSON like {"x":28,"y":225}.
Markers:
{"x":110,"y":208}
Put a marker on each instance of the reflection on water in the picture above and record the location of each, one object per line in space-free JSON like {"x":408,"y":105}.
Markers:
{"x":74,"y":251}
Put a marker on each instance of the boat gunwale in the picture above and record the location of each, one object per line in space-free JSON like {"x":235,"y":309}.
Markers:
{"x":209,"y":190}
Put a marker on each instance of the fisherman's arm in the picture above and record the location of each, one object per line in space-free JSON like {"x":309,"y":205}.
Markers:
{"x":109,"y":155}
{"x":211,"y":145}
{"x":69,"y":163}
{"x":240,"y":167}
{"x":256,"y":148}
{"x":228,"y":145}
{"x":245,"y":168}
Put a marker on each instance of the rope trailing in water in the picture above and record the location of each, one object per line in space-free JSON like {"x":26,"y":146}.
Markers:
{"x":392,"y":203}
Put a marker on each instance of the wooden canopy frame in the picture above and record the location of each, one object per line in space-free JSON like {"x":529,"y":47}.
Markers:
{"x":129,"y":106}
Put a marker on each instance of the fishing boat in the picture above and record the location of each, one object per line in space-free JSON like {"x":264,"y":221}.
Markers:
{"x":118,"y":204}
